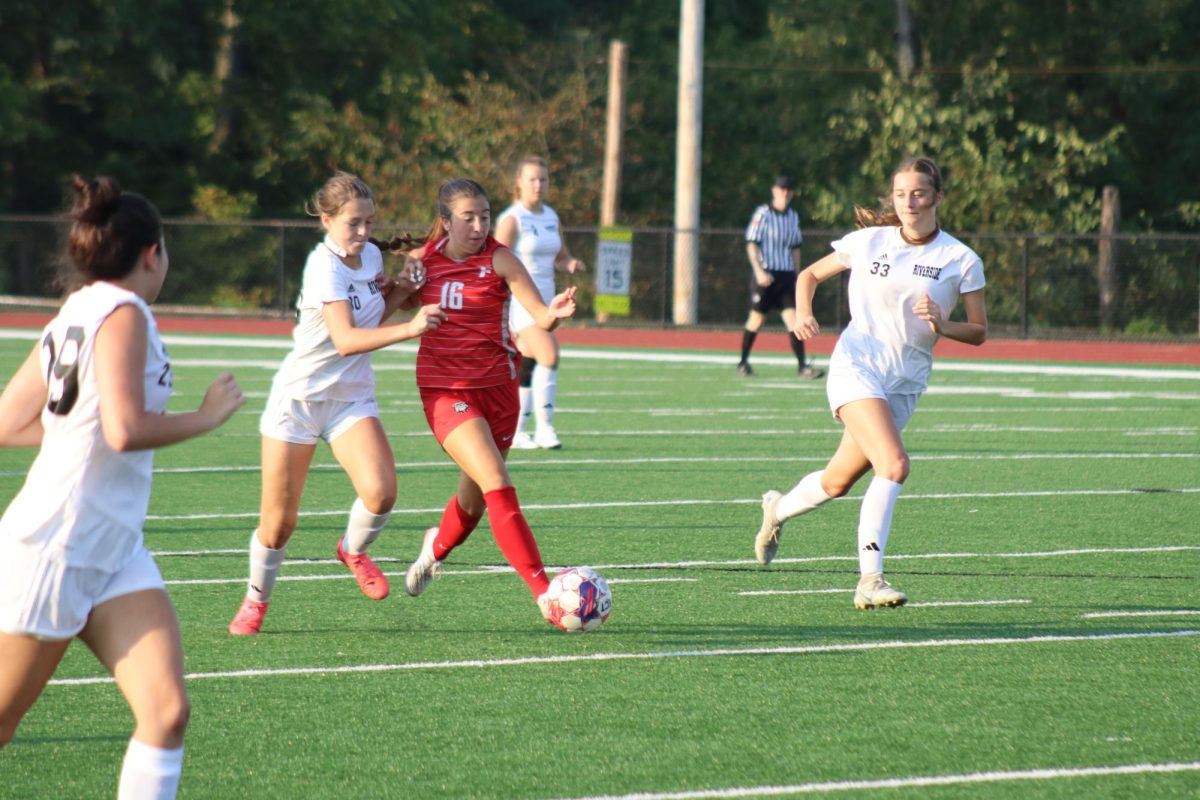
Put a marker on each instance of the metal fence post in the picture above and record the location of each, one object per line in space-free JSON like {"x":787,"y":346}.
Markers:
{"x":1025,"y":288}
{"x":282,"y":271}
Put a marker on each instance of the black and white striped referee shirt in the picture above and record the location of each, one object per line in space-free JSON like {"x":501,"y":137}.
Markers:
{"x":777,"y":234}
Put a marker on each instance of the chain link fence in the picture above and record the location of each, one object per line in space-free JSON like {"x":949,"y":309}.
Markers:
{"x":1039,"y":285}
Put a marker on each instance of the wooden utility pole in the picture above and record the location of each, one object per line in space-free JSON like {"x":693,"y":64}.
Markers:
{"x":223,"y":75}
{"x":1110,"y":223}
{"x":687,"y":160}
{"x":610,"y":201}
{"x":906,"y":40}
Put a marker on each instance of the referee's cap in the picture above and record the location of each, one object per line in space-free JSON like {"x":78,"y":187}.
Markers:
{"x":786,"y":182}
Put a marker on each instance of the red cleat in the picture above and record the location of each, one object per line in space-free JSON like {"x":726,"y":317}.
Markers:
{"x":249,"y":618}
{"x":370,"y":579}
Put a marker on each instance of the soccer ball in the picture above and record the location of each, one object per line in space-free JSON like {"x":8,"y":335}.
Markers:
{"x":577,"y":601}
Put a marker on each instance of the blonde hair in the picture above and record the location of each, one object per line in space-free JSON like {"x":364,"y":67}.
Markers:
{"x":886,"y":213}
{"x":337,"y":191}
{"x":527,"y":161}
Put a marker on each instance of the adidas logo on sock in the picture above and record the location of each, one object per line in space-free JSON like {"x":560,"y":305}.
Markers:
{"x":872,"y":546}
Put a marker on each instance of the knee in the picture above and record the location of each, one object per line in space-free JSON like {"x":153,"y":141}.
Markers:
{"x":379,"y":500}
{"x":274,"y":533}
{"x":834,"y":486}
{"x":165,"y":722}
{"x":894,"y":468}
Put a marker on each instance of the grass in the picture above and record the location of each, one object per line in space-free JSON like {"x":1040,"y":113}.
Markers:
{"x":1035,"y":500}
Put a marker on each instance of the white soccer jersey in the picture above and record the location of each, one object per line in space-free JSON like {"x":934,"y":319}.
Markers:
{"x":539,"y":241}
{"x":887,"y":277}
{"x":314,"y":370}
{"x":83,"y":504}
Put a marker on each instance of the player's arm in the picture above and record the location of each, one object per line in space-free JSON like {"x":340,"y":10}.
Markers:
{"x":754,"y":253}
{"x":120,"y":357}
{"x":507,"y":231}
{"x":404,"y":289}
{"x":973,"y":331}
{"x":21,"y":405}
{"x":807,"y":281}
{"x":565,"y":262}
{"x":509,"y":267}
{"x":349,"y":340}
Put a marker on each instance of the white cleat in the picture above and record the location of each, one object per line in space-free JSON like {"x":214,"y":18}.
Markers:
{"x":523,"y":441}
{"x":425,"y":568}
{"x":874,"y":592}
{"x":767,"y":540}
{"x":547,"y":439}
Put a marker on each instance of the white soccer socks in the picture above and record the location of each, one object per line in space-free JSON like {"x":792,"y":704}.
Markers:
{"x":874,"y":522}
{"x":264,"y":569}
{"x":362,"y":528}
{"x":804,"y":497}
{"x":150,"y":773}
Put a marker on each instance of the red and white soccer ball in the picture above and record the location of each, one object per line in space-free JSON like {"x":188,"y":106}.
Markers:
{"x":578,"y":600}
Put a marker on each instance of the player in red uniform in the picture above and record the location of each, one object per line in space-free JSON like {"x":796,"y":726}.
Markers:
{"x":466,"y":372}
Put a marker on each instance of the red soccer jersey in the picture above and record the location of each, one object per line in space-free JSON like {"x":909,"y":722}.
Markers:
{"x":471,"y":349}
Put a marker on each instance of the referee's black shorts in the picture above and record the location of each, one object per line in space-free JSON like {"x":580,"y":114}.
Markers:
{"x":779,"y":295}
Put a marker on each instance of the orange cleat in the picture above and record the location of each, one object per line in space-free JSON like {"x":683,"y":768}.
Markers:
{"x":249,"y":618}
{"x":370,"y":579}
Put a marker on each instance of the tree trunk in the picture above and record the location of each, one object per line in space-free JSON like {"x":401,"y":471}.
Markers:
{"x":223,"y":74}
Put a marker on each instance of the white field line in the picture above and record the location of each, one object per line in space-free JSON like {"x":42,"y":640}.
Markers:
{"x":1181,"y":612}
{"x":697,"y":502}
{"x":686,"y":357}
{"x":948,"y":603}
{"x":1044,"y":774}
{"x":763,"y":592}
{"x":852,"y":647}
{"x":498,"y":569}
{"x":523,"y":460}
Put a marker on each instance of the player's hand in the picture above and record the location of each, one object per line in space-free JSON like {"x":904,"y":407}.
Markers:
{"x":223,"y":397}
{"x":927,"y":310}
{"x":412,"y":277}
{"x":575,"y":265}
{"x":384,"y":283}
{"x":428,"y":318}
{"x":763,"y":278}
{"x":806,"y":327}
{"x":563,"y":304}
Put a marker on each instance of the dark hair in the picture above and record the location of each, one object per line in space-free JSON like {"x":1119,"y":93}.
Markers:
{"x":450,"y":191}
{"x":886,"y":214}
{"x":110,"y":230}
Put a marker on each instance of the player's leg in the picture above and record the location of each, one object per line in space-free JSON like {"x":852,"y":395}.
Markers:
{"x":873,"y":426}
{"x":473,"y":448}
{"x":364,"y":452}
{"x":26,"y":665}
{"x":845,"y":467}
{"x":460,"y":517}
{"x":285,"y":468}
{"x":754,"y":321}
{"x":136,"y":636}
{"x":545,"y":351}
{"x":521,"y":439}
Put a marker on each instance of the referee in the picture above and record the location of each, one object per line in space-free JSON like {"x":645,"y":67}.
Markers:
{"x":773,"y":247}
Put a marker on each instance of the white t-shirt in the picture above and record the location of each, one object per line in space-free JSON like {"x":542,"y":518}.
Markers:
{"x":314,"y":370}
{"x":887,"y":277}
{"x":83,"y":504}
{"x":538,"y":243}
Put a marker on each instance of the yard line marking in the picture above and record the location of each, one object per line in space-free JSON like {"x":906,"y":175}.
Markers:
{"x":485,"y":570}
{"x":688,"y":357}
{"x":701,"y":502}
{"x":927,"y":604}
{"x":940,"y":603}
{"x":740,"y":562}
{"x":1162,"y":613}
{"x":850,"y":647}
{"x":1046,"y":773}
{"x":525,"y":461}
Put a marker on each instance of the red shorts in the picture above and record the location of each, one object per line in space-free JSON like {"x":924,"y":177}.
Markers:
{"x":499,"y":406}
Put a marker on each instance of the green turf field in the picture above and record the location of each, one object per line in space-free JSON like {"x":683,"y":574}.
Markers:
{"x":1048,"y":539}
